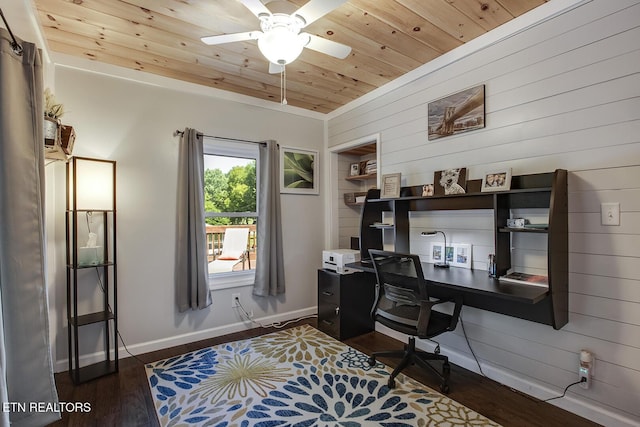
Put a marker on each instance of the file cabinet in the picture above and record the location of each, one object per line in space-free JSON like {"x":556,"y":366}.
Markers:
{"x":345,"y":302}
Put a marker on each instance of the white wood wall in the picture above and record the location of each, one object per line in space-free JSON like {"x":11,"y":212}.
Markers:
{"x":564,"y":93}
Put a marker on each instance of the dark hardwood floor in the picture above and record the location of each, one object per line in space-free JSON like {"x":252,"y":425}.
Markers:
{"x":124,"y":399}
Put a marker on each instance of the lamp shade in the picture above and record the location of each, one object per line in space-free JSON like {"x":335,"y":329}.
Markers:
{"x":91,"y":184}
{"x":281,"y":46}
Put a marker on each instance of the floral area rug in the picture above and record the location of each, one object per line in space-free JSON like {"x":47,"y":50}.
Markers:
{"x":295,"y":377}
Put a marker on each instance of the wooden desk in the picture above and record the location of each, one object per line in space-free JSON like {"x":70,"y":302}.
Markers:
{"x":546,"y":191}
{"x":479,"y":290}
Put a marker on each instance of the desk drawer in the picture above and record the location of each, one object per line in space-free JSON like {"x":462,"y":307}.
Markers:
{"x":328,"y":287}
{"x":329,"y":319}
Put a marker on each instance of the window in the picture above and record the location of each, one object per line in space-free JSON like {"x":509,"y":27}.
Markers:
{"x":231,"y":211}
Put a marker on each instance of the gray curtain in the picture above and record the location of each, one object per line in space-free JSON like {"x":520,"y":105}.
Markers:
{"x":26,"y":369}
{"x":192,"y":286}
{"x":269,"y":264}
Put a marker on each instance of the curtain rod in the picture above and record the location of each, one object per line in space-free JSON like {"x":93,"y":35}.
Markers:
{"x":14,"y":44}
{"x":180,"y":132}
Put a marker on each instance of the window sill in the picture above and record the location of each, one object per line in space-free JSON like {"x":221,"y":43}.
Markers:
{"x":221,"y":281}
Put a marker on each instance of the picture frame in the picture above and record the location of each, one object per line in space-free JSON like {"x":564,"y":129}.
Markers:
{"x":462,"y":255}
{"x":299,"y":171}
{"x":390,"y":185}
{"x":460,"y":112}
{"x":499,"y":180}
{"x":427,"y":190}
{"x":354,"y":169}
{"x":437,"y":254}
{"x":450,"y":181}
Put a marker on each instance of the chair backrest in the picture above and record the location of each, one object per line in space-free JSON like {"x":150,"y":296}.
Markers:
{"x":234,"y":243}
{"x":401,"y":286}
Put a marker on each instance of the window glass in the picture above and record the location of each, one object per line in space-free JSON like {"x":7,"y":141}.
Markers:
{"x":231,"y":215}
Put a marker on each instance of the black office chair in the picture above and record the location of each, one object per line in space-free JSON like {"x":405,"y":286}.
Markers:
{"x":403,"y":304}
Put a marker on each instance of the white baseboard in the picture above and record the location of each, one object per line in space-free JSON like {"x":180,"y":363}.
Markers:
{"x":585,"y":409}
{"x":146,"y":347}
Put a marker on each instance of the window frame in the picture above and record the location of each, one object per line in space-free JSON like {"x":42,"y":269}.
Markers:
{"x":244,"y":150}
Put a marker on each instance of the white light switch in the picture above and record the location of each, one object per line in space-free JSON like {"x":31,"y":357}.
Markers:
{"x":610,"y":213}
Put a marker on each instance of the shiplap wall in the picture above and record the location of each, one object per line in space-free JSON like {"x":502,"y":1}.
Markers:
{"x":564,"y":93}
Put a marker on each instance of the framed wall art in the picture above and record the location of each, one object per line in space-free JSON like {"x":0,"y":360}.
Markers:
{"x":457,"y":113}
{"x":299,"y":171}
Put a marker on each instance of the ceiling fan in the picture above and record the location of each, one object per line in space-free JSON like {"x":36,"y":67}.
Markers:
{"x":280,"y":40}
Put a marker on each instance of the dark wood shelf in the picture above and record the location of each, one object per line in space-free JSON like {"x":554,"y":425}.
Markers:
{"x":535,"y":191}
{"x":88,"y":319}
{"x":80,"y":267}
{"x":523,"y":230}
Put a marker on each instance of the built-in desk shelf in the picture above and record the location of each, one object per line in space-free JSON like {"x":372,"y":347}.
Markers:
{"x":442,"y":281}
{"x":547,"y":305}
{"x":522,"y":230}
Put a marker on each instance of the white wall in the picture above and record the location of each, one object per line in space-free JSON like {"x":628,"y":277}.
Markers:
{"x":564,"y":93}
{"x":133,"y":123}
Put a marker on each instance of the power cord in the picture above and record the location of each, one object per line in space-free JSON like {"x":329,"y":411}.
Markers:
{"x":582,"y":380}
{"x":470,"y":348}
{"x":109,"y":306}
{"x":277,"y":325}
{"x":88,"y":217}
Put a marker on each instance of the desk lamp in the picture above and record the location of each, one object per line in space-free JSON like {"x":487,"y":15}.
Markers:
{"x":444,"y":264}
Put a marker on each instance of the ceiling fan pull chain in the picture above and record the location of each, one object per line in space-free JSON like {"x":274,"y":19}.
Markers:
{"x":284,"y":85}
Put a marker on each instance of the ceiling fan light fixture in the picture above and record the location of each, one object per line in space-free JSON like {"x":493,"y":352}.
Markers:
{"x":281,"y":46}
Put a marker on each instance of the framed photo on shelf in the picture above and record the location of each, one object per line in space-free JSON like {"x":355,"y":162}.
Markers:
{"x":496,"y":180}
{"x":354,"y":169}
{"x":390,"y":186}
{"x":461,"y":255}
{"x":437,"y":253}
{"x":450,"y":181}
{"x":299,"y":171}
{"x":427,"y":190}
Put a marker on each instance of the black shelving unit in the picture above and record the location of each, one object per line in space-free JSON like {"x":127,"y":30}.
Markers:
{"x":91,"y":270}
{"x":545,"y":190}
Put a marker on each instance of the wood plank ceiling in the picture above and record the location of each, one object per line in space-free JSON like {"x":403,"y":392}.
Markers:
{"x":388,"y":38}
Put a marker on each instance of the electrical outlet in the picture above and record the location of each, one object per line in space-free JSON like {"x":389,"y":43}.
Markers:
{"x":235,"y":300}
{"x":610,"y":213}
{"x":585,"y":369}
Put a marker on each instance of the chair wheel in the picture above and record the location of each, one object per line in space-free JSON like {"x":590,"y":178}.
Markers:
{"x":391,"y":383}
{"x":371,"y":361}
{"x":444,"y":388}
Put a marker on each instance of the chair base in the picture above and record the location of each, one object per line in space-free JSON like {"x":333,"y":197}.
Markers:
{"x":411,"y":356}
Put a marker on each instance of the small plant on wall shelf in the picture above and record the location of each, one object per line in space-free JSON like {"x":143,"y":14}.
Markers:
{"x":52,"y":109}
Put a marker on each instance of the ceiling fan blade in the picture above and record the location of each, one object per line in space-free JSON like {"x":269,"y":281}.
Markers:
{"x":328,"y":47}
{"x":229,"y":38}
{"x":256,"y":7}
{"x":316,"y":9}
{"x":275,"y":68}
